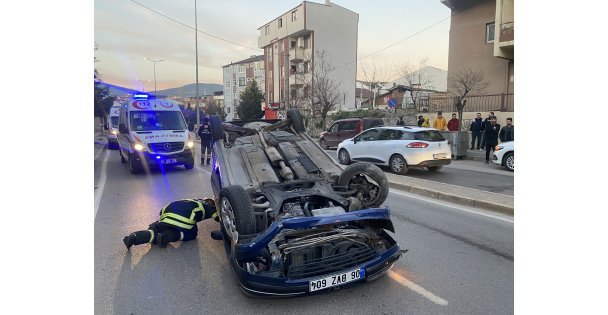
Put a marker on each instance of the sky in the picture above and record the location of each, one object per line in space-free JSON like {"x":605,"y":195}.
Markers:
{"x":128,"y":31}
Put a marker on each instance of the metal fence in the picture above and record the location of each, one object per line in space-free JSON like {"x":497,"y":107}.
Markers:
{"x":482,"y":103}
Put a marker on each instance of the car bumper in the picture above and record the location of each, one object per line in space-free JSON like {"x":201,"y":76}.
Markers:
{"x":268,"y":286}
{"x":431,"y":163}
{"x":496,"y":160}
{"x":150,"y":159}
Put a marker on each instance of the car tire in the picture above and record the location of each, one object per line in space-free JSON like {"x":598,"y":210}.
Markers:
{"x":297,"y":121}
{"x":217,"y":130}
{"x":122,"y":158}
{"x":134,"y":169}
{"x":435,"y":168}
{"x":344,"y":157}
{"x":236,"y":212}
{"x":398,"y":164}
{"x":189,"y":166}
{"x":352,"y":176}
{"x":323,"y":144}
{"x":509,"y":161}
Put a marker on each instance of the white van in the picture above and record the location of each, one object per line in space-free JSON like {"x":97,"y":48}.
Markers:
{"x":111,"y":127}
{"x":153,"y":133}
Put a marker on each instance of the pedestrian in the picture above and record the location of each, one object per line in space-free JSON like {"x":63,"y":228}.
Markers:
{"x":177,"y":222}
{"x":453,"y":123}
{"x":440,"y":122}
{"x":420,"y":121}
{"x":490,"y":137}
{"x":400,"y":122}
{"x":426,"y":123}
{"x":204,"y":132}
{"x":475,"y":128}
{"x":507,"y":132}
{"x":486,"y":123}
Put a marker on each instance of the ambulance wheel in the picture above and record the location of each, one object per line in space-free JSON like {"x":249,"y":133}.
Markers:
{"x":122,"y":158}
{"x":133,"y":167}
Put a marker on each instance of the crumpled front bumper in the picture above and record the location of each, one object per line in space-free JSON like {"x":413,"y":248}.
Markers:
{"x":268,"y":286}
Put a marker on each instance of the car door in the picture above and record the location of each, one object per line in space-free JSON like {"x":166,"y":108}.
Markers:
{"x":330,"y":137}
{"x":360,"y":150}
{"x":348,"y":129}
{"x":386,"y":145}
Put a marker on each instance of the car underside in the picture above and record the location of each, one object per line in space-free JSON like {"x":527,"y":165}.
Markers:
{"x":293,"y":221}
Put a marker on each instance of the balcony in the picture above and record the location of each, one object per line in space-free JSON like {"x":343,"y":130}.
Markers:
{"x":299,"y":54}
{"x":506,"y":36}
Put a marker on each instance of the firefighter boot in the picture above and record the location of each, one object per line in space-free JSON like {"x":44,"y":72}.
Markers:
{"x":217,"y":235}
{"x":139,"y":237}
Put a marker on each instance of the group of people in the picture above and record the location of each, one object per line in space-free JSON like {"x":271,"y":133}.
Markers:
{"x":486,"y":133}
{"x":440,"y":123}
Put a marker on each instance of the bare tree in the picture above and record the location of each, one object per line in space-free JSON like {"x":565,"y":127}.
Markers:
{"x":417,"y":78}
{"x":326,"y":92}
{"x":462,"y":83}
{"x":374,"y":76}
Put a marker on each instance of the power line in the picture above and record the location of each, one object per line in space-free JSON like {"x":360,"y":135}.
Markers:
{"x":190,"y":27}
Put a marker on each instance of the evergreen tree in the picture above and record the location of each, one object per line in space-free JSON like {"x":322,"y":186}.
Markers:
{"x":250,"y":105}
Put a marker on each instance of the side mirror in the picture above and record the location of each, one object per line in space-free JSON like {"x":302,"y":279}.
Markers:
{"x":122,"y":128}
{"x":354,"y":140}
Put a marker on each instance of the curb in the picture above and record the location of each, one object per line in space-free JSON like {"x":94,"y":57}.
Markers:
{"x":458,"y":199}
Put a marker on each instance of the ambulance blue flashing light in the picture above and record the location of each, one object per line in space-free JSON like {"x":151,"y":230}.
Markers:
{"x":142,"y":96}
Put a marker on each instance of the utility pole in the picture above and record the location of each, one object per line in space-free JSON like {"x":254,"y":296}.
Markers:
{"x":154,"y":61}
{"x":198,"y":113}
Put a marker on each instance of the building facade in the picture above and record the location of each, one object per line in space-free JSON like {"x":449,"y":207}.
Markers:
{"x":236,"y":77}
{"x":482,"y":38}
{"x":293,"y":42}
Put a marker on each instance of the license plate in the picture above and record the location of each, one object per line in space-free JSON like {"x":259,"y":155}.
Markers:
{"x":439,"y":156}
{"x":168,"y":161}
{"x":337,"y":279}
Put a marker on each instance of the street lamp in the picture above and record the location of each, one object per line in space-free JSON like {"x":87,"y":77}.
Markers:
{"x":198,"y":113}
{"x":143,"y":87}
{"x":154,"y":61}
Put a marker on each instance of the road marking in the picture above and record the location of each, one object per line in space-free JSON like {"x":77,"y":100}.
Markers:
{"x":416,"y":288}
{"x":98,"y":153}
{"x":504,"y":218}
{"x":101,"y":183}
{"x":202,"y":169}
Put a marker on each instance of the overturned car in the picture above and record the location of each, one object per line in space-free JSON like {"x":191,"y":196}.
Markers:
{"x":293,"y":221}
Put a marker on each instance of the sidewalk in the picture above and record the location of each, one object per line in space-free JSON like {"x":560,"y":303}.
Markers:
{"x":452,"y":193}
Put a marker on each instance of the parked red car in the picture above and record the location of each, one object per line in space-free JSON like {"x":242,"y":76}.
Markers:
{"x":347,"y":128}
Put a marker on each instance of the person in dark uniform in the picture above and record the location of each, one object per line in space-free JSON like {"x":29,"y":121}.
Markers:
{"x":204,"y":132}
{"x":177,"y":222}
{"x":490,"y":137}
{"x":400,"y":122}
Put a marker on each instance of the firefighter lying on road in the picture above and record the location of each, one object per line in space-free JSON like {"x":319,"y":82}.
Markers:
{"x":177,"y":223}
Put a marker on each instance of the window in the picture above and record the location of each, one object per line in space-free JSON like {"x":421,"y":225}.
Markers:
{"x":490,"y":33}
{"x":241,"y":68}
{"x":282,"y":71}
{"x":370,"y":135}
{"x":160,"y":120}
{"x":334,"y":128}
{"x":266,"y":30}
{"x":280,"y":23}
{"x":292,"y":44}
{"x":306,"y":66}
{"x":227,"y":84}
{"x":228,"y":108}
{"x":241,"y":81}
{"x":260,"y":65}
{"x":307,"y":41}
{"x":294,"y":15}
{"x":390,"y":134}
{"x":349,"y":125}
{"x":431,"y":136}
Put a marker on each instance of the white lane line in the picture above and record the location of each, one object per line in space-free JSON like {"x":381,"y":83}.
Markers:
{"x":98,"y":153}
{"x":101,"y":183}
{"x":416,"y":288}
{"x":504,"y":218}
{"x":202,"y":169}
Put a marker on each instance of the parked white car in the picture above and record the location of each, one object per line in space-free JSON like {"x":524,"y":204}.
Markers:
{"x":504,"y":155}
{"x":400,"y":148}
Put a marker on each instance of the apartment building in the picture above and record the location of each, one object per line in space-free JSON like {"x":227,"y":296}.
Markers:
{"x":293,"y":41}
{"x":482,"y":38}
{"x":236,"y":77}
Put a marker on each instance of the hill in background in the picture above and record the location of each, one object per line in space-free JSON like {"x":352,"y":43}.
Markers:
{"x":188,"y":90}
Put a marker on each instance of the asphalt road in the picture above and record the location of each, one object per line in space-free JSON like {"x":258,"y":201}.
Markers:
{"x":460,"y":260}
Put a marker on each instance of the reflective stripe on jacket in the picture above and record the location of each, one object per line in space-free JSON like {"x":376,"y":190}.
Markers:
{"x":183,"y":213}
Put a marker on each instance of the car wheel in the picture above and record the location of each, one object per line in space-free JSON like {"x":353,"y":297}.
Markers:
{"x":323,"y":144}
{"x":236,"y":212}
{"x":398,"y":164}
{"x":344,"y":157}
{"x":217,"y":130}
{"x":133,"y":168}
{"x":368,"y":181}
{"x":435,"y":168}
{"x":508,"y":161}
{"x":122,"y":158}
{"x":297,"y":122}
{"x":189,"y":166}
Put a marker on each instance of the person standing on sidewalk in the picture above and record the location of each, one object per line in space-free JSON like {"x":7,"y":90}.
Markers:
{"x":400,"y":122}
{"x":440,"y":122}
{"x":420,"y":121}
{"x":486,"y":123}
{"x":507,"y":132}
{"x":476,"y":128}
{"x":453,"y":123}
{"x":490,"y":137}
{"x":204,"y":132}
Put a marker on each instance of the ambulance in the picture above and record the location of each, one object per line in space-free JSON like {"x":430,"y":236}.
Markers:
{"x":152,"y":133}
{"x":111,"y":127}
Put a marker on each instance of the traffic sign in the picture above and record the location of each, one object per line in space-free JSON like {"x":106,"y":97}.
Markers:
{"x":392,"y":102}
